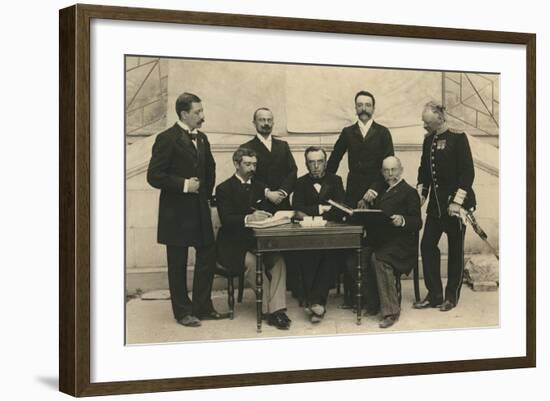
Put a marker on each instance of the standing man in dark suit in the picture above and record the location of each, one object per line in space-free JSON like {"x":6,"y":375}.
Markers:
{"x":240,"y":200}
{"x":446,"y":172}
{"x":277,"y":170}
{"x":310,"y":198}
{"x":276,"y":166}
{"x":367,"y":144}
{"x":393,"y":248}
{"x":183,"y":168}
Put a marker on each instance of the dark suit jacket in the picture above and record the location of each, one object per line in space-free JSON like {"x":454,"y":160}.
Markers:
{"x":397,"y":246}
{"x":276,"y":169}
{"x":306,"y":199}
{"x":365,"y":158}
{"x":184,"y":218}
{"x":446,"y":165}
{"x":234,"y":202}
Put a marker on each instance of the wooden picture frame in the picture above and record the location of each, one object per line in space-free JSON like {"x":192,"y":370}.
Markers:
{"x":75,"y":197}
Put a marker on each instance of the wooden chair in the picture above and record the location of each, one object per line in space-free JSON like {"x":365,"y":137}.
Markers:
{"x":416,"y":279}
{"x":224,"y":272}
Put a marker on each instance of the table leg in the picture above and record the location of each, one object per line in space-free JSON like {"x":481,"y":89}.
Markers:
{"x":259,"y":291}
{"x":358,"y":285}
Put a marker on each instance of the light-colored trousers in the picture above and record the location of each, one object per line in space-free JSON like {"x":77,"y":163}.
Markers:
{"x":274,"y":288}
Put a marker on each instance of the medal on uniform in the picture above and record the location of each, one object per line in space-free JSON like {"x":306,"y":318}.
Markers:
{"x":441,"y":143}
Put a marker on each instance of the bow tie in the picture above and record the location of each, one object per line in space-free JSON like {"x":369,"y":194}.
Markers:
{"x":192,"y":135}
{"x":317,"y":180}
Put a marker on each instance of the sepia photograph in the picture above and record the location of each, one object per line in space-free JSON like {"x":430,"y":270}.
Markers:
{"x":257,"y":200}
{"x":267,"y":200}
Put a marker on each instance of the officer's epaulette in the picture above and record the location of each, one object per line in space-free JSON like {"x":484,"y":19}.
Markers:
{"x":455,"y":131}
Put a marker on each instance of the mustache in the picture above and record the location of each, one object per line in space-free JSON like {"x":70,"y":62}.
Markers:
{"x":364,"y":113}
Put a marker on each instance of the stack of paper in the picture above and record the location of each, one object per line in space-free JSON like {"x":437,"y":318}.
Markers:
{"x":279,"y":218}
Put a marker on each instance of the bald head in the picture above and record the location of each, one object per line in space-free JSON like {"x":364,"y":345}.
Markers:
{"x":392,"y":170}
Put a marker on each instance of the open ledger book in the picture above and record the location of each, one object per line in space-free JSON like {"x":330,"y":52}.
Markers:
{"x":366,"y":217}
{"x":279,"y":218}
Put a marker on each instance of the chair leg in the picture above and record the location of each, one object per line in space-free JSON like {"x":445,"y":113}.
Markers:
{"x":338,"y":282}
{"x":241,"y":288}
{"x":398,"y":287}
{"x":301,"y":288}
{"x":416,"y":282}
{"x":231,"y":296}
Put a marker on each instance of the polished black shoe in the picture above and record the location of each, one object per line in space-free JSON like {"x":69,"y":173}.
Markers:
{"x":265,"y":316}
{"x":286,"y":318}
{"x":214,"y":315}
{"x":279,"y":320}
{"x":425,"y":303}
{"x":388,"y":321}
{"x":189,"y":321}
{"x":446,"y":306}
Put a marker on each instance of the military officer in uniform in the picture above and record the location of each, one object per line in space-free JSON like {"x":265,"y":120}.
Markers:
{"x":446,"y":173}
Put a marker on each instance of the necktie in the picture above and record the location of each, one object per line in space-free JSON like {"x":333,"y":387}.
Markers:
{"x":191,"y":135}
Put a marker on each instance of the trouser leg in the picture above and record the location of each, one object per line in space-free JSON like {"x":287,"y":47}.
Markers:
{"x":274,"y":285}
{"x":326,"y":266}
{"x":455,"y":272}
{"x":369,"y":289}
{"x":386,"y":281}
{"x":275,"y":296}
{"x":308,"y":265}
{"x":203,"y":278}
{"x":372,"y":298}
{"x":294,"y":276}
{"x":349,"y":287}
{"x":176,"y":257}
{"x":431,"y":259}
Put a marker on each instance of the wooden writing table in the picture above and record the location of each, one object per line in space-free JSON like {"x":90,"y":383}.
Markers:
{"x":293,"y":237}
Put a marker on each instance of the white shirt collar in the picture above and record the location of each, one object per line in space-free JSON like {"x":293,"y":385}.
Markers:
{"x":390,"y":187}
{"x":243,"y":181}
{"x":364,"y":127}
{"x":186,"y":127}
{"x":267,"y":142}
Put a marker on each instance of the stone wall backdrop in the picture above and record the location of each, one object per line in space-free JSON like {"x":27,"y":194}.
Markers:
{"x":311,"y":104}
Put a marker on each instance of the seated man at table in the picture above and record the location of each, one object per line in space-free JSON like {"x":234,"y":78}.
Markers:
{"x":393,"y":248}
{"x":240,"y":200}
{"x":311,"y":195}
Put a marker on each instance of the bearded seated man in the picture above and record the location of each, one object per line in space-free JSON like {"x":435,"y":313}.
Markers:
{"x":311,"y":194}
{"x":392,"y":248}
